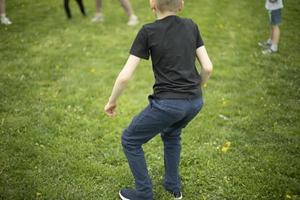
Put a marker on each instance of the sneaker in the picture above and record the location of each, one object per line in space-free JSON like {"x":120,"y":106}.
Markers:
{"x":5,"y":21}
{"x":264,"y":44}
{"x":127,"y":194}
{"x":177,"y":195}
{"x":268,"y":51}
{"x":133,"y":20}
{"x":97,"y":18}
{"x":131,"y":194}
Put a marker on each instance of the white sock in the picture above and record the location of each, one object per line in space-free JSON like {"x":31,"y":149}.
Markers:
{"x":98,"y":15}
{"x":274,"y":47}
{"x":133,"y":17}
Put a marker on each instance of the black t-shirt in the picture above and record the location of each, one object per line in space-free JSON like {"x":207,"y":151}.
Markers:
{"x":172,"y":44}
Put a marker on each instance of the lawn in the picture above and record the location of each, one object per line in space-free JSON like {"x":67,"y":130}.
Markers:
{"x":56,"y":76}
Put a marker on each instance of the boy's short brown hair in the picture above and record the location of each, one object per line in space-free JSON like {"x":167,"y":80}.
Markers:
{"x":168,"y":5}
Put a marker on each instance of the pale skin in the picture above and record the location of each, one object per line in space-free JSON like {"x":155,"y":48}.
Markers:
{"x":128,"y":70}
{"x":125,"y":4}
{"x":275,"y":34}
{"x":2,"y":7}
{"x":275,"y":31}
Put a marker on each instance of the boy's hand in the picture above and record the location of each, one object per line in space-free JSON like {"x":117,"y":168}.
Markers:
{"x":110,"y":109}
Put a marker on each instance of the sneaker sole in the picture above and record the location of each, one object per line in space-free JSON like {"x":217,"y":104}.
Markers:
{"x":133,"y":24}
{"x":122,"y":197}
{"x":6,"y":23}
{"x":264,"y":46}
{"x":178,"y":198}
{"x":268,"y":52}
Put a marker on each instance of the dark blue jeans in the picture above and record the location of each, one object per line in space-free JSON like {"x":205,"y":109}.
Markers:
{"x":165,"y":116}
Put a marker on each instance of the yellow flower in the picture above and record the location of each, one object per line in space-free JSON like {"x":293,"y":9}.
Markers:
{"x":288,"y":196}
{"x":226,"y":146}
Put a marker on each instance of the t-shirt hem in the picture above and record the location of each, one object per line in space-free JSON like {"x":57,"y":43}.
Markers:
{"x":171,"y":95}
{"x":198,"y":46}
{"x":139,"y":55}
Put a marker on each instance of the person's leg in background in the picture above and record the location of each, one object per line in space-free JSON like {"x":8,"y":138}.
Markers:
{"x":81,"y":7}
{"x":273,"y":41}
{"x":4,"y":19}
{"x":275,"y":21}
{"x":133,"y":19}
{"x":275,"y":37}
{"x":98,"y":15}
{"x":127,"y":7}
{"x":98,"y":6}
{"x":67,"y":9}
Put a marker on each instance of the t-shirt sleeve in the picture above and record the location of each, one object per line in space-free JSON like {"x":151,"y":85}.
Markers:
{"x":140,"y":47}
{"x":199,"y":41}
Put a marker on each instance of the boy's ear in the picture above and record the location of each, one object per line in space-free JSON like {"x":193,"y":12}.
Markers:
{"x":181,"y":5}
{"x":152,"y":4}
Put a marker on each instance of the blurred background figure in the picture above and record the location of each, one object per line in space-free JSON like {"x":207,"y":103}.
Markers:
{"x":4,"y":19}
{"x":68,"y":11}
{"x":274,"y":8}
{"x":132,"y":18}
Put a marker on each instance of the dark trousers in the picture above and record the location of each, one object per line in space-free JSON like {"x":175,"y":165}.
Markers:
{"x":68,"y":11}
{"x":167,"y":117}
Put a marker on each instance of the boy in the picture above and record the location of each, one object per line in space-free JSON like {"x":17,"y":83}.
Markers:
{"x":173,"y":44}
{"x":132,"y":21}
{"x":274,"y":7}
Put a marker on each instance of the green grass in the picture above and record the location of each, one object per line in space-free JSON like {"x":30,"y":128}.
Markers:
{"x":56,"y":75}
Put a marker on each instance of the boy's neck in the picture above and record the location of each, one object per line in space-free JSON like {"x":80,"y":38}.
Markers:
{"x":160,"y":15}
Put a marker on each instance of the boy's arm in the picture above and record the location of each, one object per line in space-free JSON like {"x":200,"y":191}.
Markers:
{"x":206,"y":65}
{"x":121,"y":82}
